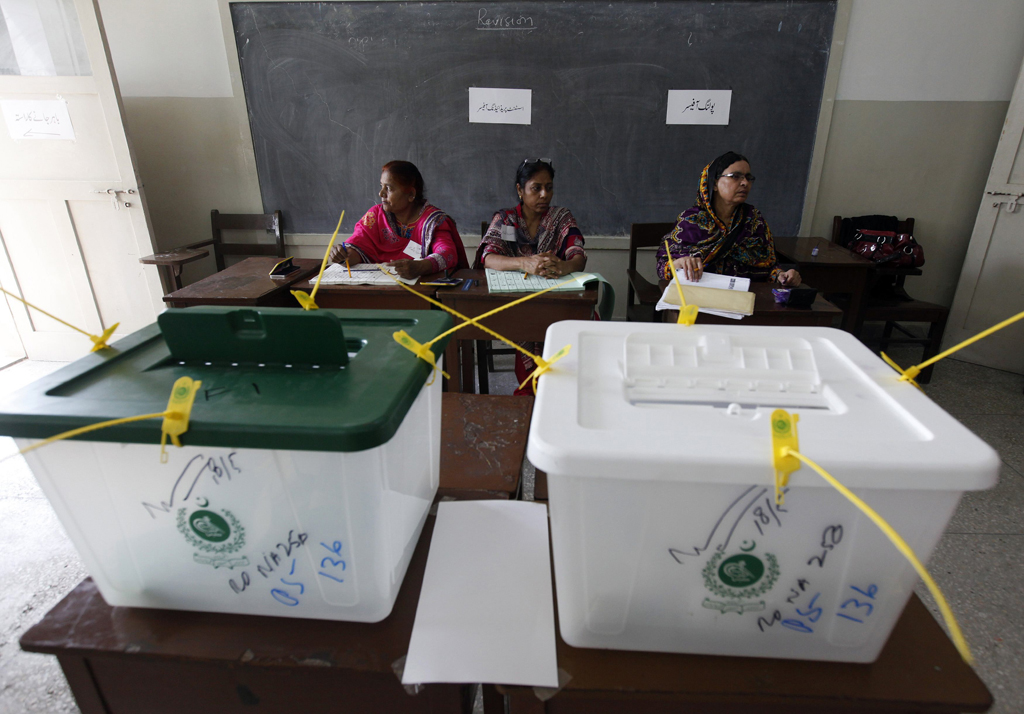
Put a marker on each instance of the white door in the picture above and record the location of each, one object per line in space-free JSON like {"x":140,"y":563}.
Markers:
{"x":73,"y":220}
{"x":991,"y":286}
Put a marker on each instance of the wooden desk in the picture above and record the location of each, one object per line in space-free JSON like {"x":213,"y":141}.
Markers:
{"x":134,"y":660}
{"x":368,"y":297}
{"x":834,"y":270}
{"x":245,"y":283}
{"x":121,"y":660}
{"x":528,"y":322}
{"x":919,"y":670}
{"x":172,"y":263}
{"x":821,"y":313}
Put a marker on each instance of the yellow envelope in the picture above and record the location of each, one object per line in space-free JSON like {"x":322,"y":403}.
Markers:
{"x":713,"y":298}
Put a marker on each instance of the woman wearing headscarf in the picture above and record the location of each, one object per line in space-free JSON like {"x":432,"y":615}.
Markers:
{"x":722,"y":233}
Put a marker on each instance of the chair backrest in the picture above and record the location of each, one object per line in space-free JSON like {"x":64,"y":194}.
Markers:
{"x":270,"y":222}
{"x":904,"y":226}
{"x":646,"y":235}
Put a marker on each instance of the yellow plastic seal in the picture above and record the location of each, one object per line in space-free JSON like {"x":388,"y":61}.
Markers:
{"x":422,"y":351}
{"x":179,"y":410}
{"x":308,"y":301}
{"x":544,"y":366}
{"x":784,"y":439}
{"x":687,"y":313}
{"x":99,"y":342}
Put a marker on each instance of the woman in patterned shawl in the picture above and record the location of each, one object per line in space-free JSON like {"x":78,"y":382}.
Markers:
{"x":533,"y":237}
{"x":722,"y":232}
{"x":404,"y":218}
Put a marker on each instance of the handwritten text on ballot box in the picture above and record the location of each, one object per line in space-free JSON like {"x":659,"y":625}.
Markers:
{"x":489,"y":105}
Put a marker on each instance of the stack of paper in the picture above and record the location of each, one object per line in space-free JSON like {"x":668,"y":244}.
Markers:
{"x":715,"y":294}
{"x":362,"y":274}
{"x":515,"y":281}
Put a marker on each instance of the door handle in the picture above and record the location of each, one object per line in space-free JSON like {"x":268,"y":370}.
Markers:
{"x":113,"y":196}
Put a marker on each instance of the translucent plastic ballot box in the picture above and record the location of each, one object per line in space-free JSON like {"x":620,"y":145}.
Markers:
{"x":305,"y":476}
{"x":666,"y":535}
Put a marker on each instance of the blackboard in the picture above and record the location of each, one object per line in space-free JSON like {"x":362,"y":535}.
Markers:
{"x":336,"y":89}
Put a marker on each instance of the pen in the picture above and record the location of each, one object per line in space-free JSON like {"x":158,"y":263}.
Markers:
{"x":348,"y":267}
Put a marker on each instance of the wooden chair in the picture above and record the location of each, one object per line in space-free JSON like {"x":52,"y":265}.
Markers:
{"x":172,"y":261}
{"x":643,"y":235}
{"x":890,"y":304}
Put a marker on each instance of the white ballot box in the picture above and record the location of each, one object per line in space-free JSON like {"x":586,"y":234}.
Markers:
{"x":657,"y":442}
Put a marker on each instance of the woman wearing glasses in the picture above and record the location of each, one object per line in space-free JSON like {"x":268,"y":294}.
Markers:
{"x":722,"y":233}
{"x":403,"y":230}
{"x":533,"y":237}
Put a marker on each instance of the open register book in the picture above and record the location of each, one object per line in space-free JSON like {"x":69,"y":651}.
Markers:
{"x":362,"y":274}
{"x":715,"y":294}
{"x":515,"y":281}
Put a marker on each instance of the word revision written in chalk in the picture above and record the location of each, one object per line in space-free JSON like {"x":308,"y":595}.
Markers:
{"x":489,"y":105}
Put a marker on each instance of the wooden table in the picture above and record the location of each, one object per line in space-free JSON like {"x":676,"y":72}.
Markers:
{"x":821,"y":313}
{"x":369,"y":297}
{"x":919,"y":670}
{"x":483,"y":440}
{"x":172,"y":263}
{"x":523,"y":323}
{"x":834,"y":270}
{"x":140,"y":661}
{"x":245,"y":283}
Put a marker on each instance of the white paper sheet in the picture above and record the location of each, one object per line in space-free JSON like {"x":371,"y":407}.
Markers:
{"x":486,"y":612}
{"x":38,"y":119}
{"x":698,"y":106}
{"x":495,"y":105}
{"x":362,"y":274}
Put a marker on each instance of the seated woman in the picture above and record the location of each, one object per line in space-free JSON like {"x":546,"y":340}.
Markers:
{"x":403,"y":217}
{"x":534,"y":237}
{"x":722,"y":233}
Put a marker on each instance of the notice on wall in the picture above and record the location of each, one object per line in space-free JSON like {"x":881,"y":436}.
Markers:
{"x":698,"y":106}
{"x":488,"y":105}
{"x":37,"y":119}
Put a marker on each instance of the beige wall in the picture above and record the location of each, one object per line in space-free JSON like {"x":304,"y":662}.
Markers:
{"x":922,"y":92}
{"x":928,"y":160}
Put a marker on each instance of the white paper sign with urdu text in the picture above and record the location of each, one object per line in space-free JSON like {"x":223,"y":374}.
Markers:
{"x":698,"y":106}
{"x":38,"y":119}
{"x":488,"y":105}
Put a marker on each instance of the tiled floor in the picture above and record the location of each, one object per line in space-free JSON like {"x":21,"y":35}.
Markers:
{"x":979,"y":563}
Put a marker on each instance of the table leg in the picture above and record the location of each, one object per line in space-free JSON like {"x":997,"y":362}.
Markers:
{"x":853,"y":318}
{"x":451,"y":361}
{"x":482,"y":364}
{"x":82,"y":684}
{"x":468,"y":378}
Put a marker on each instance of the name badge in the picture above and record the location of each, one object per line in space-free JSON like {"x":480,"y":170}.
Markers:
{"x":412,"y":249}
{"x":508,"y":233}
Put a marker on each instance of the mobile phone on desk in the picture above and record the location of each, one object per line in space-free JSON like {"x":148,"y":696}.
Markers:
{"x":283,"y":269}
{"x":445,"y":282}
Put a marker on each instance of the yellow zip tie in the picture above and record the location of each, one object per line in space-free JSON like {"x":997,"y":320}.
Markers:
{"x":179,"y":409}
{"x":99,"y":342}
{"x":87,"y":429}
{"x":308,"y":301}
{"x":422,"y":351}
{"x":901,"y":545}
{"x":475,"y":321}
{"x":687,"y":313}
{"x":908,"y":374}
{"x":784,"y":438}
{"x":544,"y":366}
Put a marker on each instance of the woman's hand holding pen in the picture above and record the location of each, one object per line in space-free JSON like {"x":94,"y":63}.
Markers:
{"x":690,"y":266}
{"x":341,"y":254}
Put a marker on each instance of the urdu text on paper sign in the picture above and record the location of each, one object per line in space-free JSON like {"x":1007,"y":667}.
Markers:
{"x":38,"y":119}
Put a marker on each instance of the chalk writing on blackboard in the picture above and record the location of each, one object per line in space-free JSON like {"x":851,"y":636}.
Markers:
{"x":491,"y":105}
{"x":503,"y":22}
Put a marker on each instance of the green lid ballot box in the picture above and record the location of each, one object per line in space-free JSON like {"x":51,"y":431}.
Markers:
{"x":306,"y":474}
{"x":657,"y":442}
